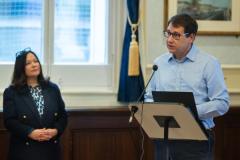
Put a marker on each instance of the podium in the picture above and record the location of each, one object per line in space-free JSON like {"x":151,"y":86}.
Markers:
{"x":168,"y":121}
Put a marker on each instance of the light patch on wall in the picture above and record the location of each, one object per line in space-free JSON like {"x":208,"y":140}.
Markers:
{"x":232,"y":77}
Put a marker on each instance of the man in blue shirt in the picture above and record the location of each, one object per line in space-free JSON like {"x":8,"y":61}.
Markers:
{"x":186,"y":68}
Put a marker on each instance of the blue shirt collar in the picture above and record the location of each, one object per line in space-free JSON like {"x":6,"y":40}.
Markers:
{"x":191,"y":55}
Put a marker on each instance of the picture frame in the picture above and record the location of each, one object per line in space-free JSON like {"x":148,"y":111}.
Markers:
{"x":226,"y":26}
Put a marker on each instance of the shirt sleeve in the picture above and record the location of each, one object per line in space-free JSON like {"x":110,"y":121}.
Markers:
{"x":218,"y":98}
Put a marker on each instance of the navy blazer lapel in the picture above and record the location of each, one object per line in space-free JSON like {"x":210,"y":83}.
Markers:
{"x":46,"y":97}
{"x":31,"y":104}
{"x":46,"y":91}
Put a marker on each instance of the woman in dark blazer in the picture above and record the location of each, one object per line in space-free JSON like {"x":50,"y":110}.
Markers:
{"x":34,"y":112}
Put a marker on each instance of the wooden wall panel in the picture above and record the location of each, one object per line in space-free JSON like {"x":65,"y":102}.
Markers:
{"x":107,"y":135}
{"x":103,"y":144}
{"x":227,"y":133}
{"x":3,"y":144}
{"x":103,"y":135}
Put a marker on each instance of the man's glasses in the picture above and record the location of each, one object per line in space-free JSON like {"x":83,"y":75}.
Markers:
{"x":22,"y":52}
{"x":175,"y":35}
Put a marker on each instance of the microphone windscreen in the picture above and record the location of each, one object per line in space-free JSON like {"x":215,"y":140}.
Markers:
{"x":155,"y":67}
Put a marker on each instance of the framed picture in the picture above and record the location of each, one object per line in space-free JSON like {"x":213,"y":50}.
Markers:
{"x":214,"y":17}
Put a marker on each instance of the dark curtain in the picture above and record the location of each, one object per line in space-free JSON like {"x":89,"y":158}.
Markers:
{"x":130,"y":87}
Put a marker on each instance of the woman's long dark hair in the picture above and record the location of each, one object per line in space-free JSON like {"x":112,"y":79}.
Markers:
{"x":19,"y":78}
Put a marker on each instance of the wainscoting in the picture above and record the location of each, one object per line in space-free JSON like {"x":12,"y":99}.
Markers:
{"x":105,"y":134}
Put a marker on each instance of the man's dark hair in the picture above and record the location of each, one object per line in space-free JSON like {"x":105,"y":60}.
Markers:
{"x":19,"y":78}
{"x":186,"y":21}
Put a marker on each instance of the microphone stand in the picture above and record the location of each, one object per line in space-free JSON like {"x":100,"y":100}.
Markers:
{"x":134,"y":109}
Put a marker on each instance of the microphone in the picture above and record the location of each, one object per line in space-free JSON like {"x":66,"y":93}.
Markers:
{"x":134,"y":109}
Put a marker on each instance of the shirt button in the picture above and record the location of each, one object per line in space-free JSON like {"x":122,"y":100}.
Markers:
{"x":55,"y":114}
{"x":55,"y":141}
{"x":24,"y":116}
{"x":27,"y":143}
